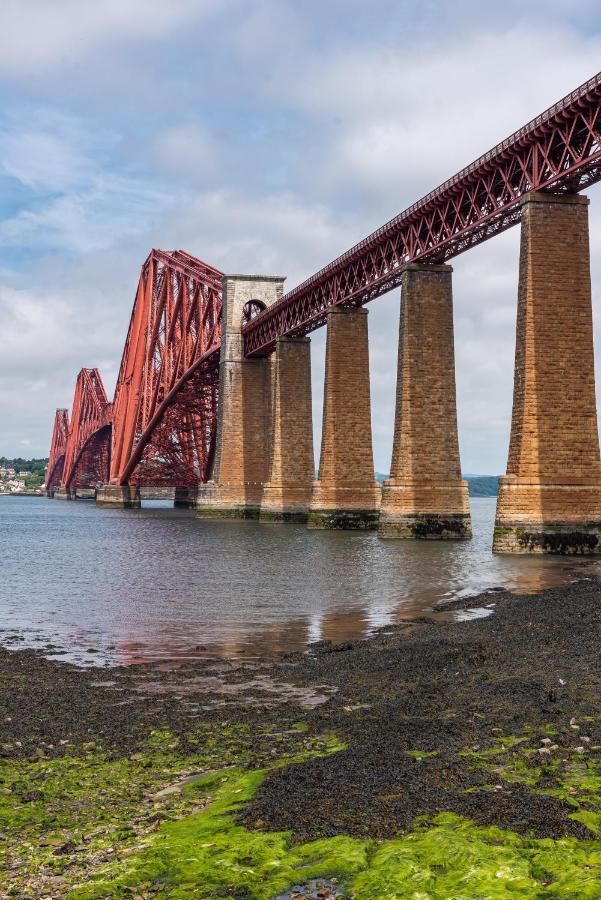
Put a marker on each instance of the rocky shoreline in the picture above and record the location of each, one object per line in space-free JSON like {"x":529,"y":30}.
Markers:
{"x":492,"y":722}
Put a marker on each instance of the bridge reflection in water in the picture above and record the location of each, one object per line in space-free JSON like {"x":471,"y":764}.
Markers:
{"x":158,"y":584}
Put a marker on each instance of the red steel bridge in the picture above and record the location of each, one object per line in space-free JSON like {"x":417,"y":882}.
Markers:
{"x":160,"y":428}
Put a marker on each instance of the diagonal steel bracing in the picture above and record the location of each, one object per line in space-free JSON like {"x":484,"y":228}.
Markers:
{"x":161,"y":425}
{"x":559,"y":151}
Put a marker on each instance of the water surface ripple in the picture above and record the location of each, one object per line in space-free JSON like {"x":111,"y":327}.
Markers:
{"x":97,"y":585}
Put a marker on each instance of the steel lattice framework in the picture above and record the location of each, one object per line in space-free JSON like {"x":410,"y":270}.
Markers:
{"x":165,"y":406}
{"x":559,"y":151}
{"x":87,"y":451}
{"x":56,"y":461}
{"x":161,"y":427}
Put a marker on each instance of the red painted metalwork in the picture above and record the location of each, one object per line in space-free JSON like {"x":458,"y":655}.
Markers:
{"x":559,"y":151}
{"x":165,"y":406}
{"x":163,"y":418}
{"x":88,"y":447}
{"x":56,"y":461}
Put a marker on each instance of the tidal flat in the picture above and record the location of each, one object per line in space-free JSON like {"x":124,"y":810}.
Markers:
{"x":436,"y":759}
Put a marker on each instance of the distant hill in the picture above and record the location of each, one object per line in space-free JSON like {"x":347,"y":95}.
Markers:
{"x":478,"y":485}
{"x":482,"y":485}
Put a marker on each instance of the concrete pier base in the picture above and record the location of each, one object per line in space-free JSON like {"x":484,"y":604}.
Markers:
{"x":395,"y":522}
{"x":185,"y":498}
{"x":550,"y":499}
{"x":85,"y":494}
{"x":229,"y":501}
{"x":117,"y":496}
{"x":63,"y":494}
{"x":287,"y":495}
{"x":346,"y":494}
{"x":425,"y":497}
{"x":350,"y":508}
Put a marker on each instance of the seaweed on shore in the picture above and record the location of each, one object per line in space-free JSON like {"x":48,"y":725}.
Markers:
{"x":447,"y":759}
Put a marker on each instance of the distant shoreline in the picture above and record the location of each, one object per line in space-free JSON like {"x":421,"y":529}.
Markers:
{"x":21,"y":494}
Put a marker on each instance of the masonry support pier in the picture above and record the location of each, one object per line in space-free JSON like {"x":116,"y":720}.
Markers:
{"x":287,"y":494}
{"x":550,"y":499}
{"x":243,"y":443}
{"x":118,"y":496}
{"x":346,"y":494}
{"x":62,"y":493}
{"x":185,"y":497}
{"x":425,"y":496}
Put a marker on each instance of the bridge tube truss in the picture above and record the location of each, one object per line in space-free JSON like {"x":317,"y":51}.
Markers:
{"x":58,"y":446}
{"x":88,"y":445}
{"x":165,"y":406}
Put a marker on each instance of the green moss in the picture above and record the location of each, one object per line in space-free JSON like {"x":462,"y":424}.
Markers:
{"x":450,"y":857}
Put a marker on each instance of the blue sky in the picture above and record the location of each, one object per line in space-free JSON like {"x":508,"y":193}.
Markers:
{"x":262,"y":136}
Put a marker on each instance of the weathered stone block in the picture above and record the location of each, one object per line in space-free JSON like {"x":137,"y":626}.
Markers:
{"x":550,"y":499}
{"x":185,"y":497}
{"x":287,"y":494}
{"x":346,"y":494}
{"x":425,"y":496}
{"x":243,"y":441}
{"x":117,"y":496}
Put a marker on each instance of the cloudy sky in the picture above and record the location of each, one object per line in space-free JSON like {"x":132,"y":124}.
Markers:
{"x":262,"y":136}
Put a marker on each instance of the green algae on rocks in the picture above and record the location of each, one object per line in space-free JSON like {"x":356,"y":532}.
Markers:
{"x":62,"y":817}
{"x":209,"y":855}
{"x":452,"y":759}
{"x":190,"y":842}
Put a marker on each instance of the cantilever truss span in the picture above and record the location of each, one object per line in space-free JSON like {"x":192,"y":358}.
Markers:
{"x":161,"y":427}
{"x":56,"y":460}
{"x":165,"y":406}
{"x":88,"y":446}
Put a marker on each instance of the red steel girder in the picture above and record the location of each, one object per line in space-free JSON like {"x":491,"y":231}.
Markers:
{"x":58,"y":446}
{"x":558,"y":151}
{"x":165,"y":405}
{"x":91,"y":415}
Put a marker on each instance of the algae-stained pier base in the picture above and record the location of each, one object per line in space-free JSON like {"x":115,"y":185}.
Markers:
{"x":442,"y":756}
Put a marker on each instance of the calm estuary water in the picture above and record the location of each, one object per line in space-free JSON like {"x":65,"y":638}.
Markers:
{"x":97,"y":585}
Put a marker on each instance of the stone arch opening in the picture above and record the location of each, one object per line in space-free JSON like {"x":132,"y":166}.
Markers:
{"x":251,"y":310}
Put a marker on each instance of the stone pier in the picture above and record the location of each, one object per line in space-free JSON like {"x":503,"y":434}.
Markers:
{"x":550,"y":499}
{"x":243,"y":444}
{"x":118,"y":496}
{"x":185,"y":497}
{"x":346,"y":494}
{"x":62,"y":493}
{"x":287,"y":494}
{"x":425,"y":496}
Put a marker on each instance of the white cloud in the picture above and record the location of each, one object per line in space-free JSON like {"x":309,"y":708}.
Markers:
{"x":89,"y":219}
{"x":268,"y":144}
{"x":44,"y":153}
{"x":276,"y":233}
{"x":39,"y":35}
{"x":79,"y":202}
{"x":188,"y":152}
{"x":405,"y":120}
